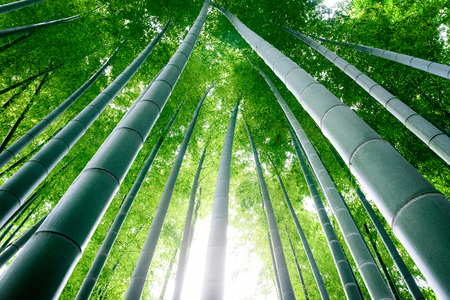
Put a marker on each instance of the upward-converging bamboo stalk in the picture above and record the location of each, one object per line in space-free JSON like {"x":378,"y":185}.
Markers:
{"x":312,"y":262}
{"x":27,"y":28}
{"x":41,"y":269}
{"x":182,"y":260}
{"x":345,"y":273}
{"x":17,"y":5}
{"x":22,"y":116}
{"x":25,"y":82}
{"x":96,"y":268}
{"x":140,"y":272}
{"x":14,"y":191}
{"x":168,"y":274}
{"x":404,"y":271}
{"x":305,"y":291}
{"x":274,"y":265}
{"x":285,"y":281}
{"x":214,"y":278}
{"x":34,"y":132}
{"x":417,"y":212}
{"x":418,"y":63}
{"x":434,"y":138}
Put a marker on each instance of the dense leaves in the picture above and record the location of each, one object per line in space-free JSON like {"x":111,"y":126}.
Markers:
{"x":79,"y":48}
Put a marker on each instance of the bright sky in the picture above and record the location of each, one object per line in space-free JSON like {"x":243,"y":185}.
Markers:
{"x":242,"y":268}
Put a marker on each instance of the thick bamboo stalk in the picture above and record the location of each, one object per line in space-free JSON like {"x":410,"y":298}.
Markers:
{"x":299,"y":270}
{"x":214,"y":277}
{"x":24,"y":181}
{"x":13,"y":248}
{"x":17,"y":5}
{"x":404,"y":271}
{"x":417,"y":212}
{"x":41,"y":269}
{"x":182,"y":260}
{"x":283,"y":273}
{"x":140,"y":272}
{"x":417,"y":63}
{"x":434,"y":138}
{"x":96,"y":268}
{"x":21,"y":117}
{"x":312,"y":262}
{"x":34,"y":132}
{"x":274,"y":265}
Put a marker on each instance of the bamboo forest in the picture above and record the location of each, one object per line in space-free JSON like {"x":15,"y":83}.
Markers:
{"x":174,"y":149}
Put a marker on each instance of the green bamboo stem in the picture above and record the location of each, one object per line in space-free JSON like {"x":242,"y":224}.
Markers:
{"x":182,"y":260}
{"x":312,"y":262}
{"x":283,"y":273}
{"x":20,"y":118}
{"x":411,"y":61}
{"x":434,"y":138}
{"x":274,"y":265}
{"x":96,"y":268}
{"x":299,"y":270}
{"x":138,"y":279}
{"x":8,"y":7}
{"x":214,"y":276}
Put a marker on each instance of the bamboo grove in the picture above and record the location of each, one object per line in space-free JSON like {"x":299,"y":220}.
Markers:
{"x":183,"y":149}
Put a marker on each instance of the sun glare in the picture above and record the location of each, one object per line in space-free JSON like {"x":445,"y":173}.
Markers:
{"x":242,"y":278}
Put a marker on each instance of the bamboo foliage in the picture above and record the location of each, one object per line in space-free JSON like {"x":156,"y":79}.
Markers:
{"x":401,"y":193}
{"x":312,"y":262}
{"x":214,"y":277}
{"x":285,"y":282}
{"x":17,"y":5}
{"x":96,"y":268}
{"x":187,"y":233}
{"x":434,"y":138}
{"x":22,"y":183}
{"x":34,"y":132}
{"x":138,"y":279}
